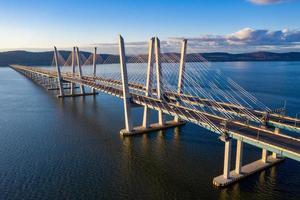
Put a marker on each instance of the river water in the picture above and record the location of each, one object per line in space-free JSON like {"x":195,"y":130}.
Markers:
{"x":71,"y":149}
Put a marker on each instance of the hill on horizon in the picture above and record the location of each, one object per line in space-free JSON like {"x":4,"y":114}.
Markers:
{"x":45,"y":58}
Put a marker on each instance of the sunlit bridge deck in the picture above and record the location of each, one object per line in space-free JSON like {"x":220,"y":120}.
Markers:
{"x":218,"y":105}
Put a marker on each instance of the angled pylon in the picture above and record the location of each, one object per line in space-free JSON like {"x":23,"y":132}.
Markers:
{"x":79,"y":69}
{"x":59,"y":79}
{"x":126,"y":94}
{"x":159,"y":84}
{"x":181,"y":73}
{"x":73,"y":69}
{"x":148,"y":82}
{"x":94,"y":65}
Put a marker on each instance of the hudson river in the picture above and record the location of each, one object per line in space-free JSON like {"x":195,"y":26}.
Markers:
{"x":71,"y":149}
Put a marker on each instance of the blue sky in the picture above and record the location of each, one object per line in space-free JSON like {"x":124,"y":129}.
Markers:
{"x":43,"y":23}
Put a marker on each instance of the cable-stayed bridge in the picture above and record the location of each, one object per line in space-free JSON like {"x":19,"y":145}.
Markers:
{"x":181,"y":85}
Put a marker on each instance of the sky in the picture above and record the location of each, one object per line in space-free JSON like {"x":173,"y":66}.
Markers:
{"x":210,"y":25}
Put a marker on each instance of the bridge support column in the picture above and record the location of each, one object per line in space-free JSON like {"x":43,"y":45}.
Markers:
{"x":239,"y":157}
{"x":181,"y":73}
{"x":59,"y":79}
{"x":126,"y":94}
{"x":227,"y":159}
{"x":146,"y":115}
{"x":264,"y":156}
{"x":276,"y":131}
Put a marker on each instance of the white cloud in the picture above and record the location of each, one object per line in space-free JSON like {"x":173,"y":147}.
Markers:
{"x":250,"y":36}
{"x":248,"y":39}
{"x":266,"y":2}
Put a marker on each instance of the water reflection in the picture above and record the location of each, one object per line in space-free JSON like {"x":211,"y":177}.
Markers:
{"x":261,"y":178}
{"x":176,"y":137}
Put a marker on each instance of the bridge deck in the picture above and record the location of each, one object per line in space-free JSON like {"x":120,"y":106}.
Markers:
{"x":257,"y":136}
{"x":237,"y":129}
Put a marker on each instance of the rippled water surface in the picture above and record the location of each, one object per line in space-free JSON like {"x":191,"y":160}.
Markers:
{"x":71,"y":149}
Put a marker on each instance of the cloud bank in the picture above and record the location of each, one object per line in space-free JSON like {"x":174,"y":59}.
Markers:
{"x":248,"y":39}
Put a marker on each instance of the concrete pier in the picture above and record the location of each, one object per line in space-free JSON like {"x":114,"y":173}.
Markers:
{"x":65,"y":88}
{"x":264,"y":156}
{"x":77,"y":95}
{"x":152,"y":127}
{"x":276,"y":131}
{"x":239,"y":157}
{"x":247,"y":170}
{"x":227,"y":159}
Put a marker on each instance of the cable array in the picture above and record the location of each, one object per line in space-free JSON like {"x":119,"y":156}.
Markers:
{"x":205,"y":92}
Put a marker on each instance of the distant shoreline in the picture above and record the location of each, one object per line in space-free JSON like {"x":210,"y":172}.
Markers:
{"x":45,"y":58}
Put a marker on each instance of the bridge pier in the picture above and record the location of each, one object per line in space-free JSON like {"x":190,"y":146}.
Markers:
{"x":239,"y":157}
{"x":276,"y":131}
{"x":152,"y":127}
{"x":264,"y":156}
{"x":240,"y":172}
{"x":52,"y":84}
{"x":77,"y":95}
{"x":227,"y":159}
